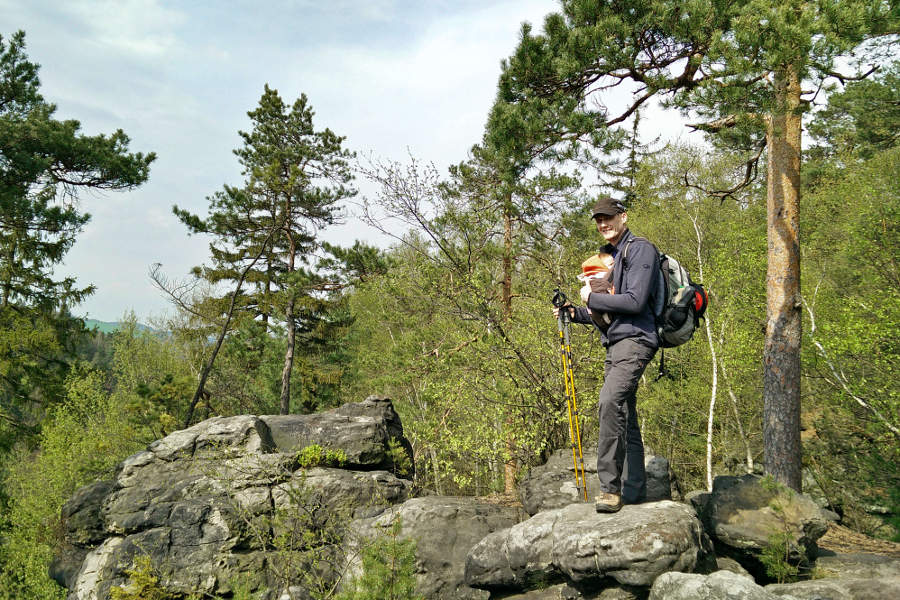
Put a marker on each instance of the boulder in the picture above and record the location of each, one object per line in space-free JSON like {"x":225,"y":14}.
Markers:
{"x":838,"y":589}
{"x":721,"y":585}
{"x":742,"y":514}
{"x":552,"y":485}
{"x":445,"y":529}
{"x":565,"y":591}
{"x":723,"y":563}
{"x":209,"y":503}
{"x":81,"y":514}
{"x":364,"y":431}
{"x":847,"y":577}
{"x":857,"y":565}
{"x":576,"y":544}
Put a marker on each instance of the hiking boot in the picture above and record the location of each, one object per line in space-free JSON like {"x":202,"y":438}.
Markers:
{"x":608,"y":503}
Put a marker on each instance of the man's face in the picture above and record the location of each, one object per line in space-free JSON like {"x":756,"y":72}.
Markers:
{"x":611,"y":227}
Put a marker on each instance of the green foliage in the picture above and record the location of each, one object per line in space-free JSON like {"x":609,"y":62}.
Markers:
{"x":388,"y":569}
{"x":316,"y":456}
{"x":399,"y":458}
{"x":82,"y":440}
{"x":781,"y":556}
{"x":264,"y":233}
{"x":152,"y":377}
{"x":775,"y":556}
{"x":44,"y":163}
{"x":143,"y":584}
{"x":852,"y":305}
{"x":861,"y":120}
{"x":738,"y":67}
{"x":454,"y":332}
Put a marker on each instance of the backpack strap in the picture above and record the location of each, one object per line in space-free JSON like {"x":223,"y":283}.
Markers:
{"x":660,"y":292}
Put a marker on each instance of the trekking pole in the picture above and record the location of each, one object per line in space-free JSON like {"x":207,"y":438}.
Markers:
{"x":565,"y":353}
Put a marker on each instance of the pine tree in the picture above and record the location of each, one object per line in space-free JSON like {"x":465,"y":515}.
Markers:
{"x":44,"y":164}
{"x":741,"y":66}
{"x":863,"y":119}
{"x":294,"y":177}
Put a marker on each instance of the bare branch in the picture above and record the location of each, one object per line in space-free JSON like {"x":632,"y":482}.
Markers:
{"x":845,"y":78}
{"x":750,"y":172}
{"x":716,"y":125}
{"x":177,"y":292}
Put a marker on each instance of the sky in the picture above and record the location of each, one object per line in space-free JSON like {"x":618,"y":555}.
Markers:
{"x":397,"y":77}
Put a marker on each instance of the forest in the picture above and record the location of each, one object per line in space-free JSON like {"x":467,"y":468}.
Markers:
{"x":795,"y":181}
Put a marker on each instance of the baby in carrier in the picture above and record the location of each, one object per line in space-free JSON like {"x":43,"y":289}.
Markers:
{"x":596,"y":271}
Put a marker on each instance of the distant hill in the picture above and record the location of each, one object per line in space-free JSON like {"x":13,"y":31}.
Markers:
{"x":110,"y":327}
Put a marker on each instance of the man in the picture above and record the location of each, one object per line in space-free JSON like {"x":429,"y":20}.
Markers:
{"x":630,"y":341}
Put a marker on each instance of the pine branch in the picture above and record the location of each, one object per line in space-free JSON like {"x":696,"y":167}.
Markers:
{"x":750,"y":173}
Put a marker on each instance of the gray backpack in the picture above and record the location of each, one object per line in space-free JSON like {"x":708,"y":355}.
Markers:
{"x":678,"y":302}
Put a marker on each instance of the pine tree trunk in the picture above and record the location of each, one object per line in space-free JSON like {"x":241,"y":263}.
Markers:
{"x":291,"y":329}
{"x":288,"y":359}
{"x":781,"y":356}
{"x":510,"y":468}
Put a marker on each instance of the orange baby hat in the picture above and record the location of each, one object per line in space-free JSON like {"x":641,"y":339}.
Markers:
{"x":593,"y":266}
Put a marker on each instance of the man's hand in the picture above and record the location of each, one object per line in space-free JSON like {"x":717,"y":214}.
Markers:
{"x":568,"y":306}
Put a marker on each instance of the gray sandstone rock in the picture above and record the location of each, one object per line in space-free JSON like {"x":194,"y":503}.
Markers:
{"x":847,"y":577}
{"x":552,"y":485}
{"x":721,"y":585}
{"x":839,"y":589}
{"x":864,"y":566}
{"x":81,"y":514}
{"x":576,"y":544}
{"x":204,"y":504}
{"x":363,"y":430}
{"x":742,"y":513}
{"x":565,"y":591}
{"x":723,"y":563}
{"x":445,"y":529}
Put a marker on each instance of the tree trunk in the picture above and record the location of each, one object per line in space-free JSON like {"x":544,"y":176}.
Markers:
{"x":507,"y":263}
{"x":288,"y":359}
{"x":511,"y":467}
{"x":781,"y":356}
{"x":289,"y":323}
{"x":714,"y":367}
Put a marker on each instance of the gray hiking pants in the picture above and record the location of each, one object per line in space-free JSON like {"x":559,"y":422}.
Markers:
{"x":620,"y":449}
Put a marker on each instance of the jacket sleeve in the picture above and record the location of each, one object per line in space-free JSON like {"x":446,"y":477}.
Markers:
{"x":581,"y":315}
{"x":641,"y":266}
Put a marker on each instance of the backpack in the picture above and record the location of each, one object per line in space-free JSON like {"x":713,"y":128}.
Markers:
{"x":678,"y":302}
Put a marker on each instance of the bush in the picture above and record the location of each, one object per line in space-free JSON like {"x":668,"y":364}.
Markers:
{"x":388,"y":570}
{"x":82,"y":441}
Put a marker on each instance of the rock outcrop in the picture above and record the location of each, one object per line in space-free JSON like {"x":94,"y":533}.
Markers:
{"x":721,"y":585}
{"x":283,"y":506}
{"x":552,"y":485}
{"x":445,"y":529}
{"x":576,"y":544}
{"x":743,"y":514}
{"x":226,"y":500}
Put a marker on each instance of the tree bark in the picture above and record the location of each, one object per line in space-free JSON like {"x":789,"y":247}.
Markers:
{"x":289,"y":323}
{"x":781,"y":356}
{"x":712,"y":353}
{"x":288,"y":358}
{"x":511,"y":468}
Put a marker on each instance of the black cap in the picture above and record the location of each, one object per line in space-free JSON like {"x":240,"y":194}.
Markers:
{"x":607,"y":206}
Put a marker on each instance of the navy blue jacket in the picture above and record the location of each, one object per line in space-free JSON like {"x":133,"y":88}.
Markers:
{"x":631,"y":306}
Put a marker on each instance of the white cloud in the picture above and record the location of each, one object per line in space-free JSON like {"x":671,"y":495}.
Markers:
{"x":143,"y":28}
{"x":178,"y":77}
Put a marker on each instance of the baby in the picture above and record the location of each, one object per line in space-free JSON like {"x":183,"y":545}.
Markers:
{"x":595,"y":274}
